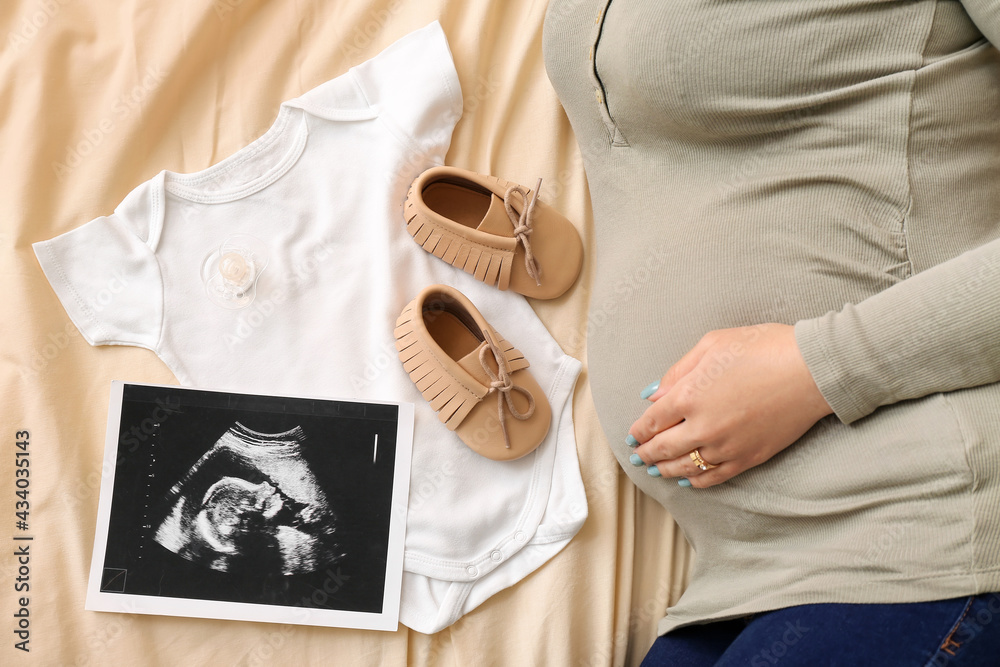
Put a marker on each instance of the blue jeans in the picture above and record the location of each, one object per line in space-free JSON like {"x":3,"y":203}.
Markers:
{"x":963,"y":632}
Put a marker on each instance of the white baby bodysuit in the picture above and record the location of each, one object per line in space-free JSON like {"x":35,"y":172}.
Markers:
{"x":323,"y":190}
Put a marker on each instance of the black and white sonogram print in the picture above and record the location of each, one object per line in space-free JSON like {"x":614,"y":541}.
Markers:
{"x":251,"y":502}
{"x":251,"y":499}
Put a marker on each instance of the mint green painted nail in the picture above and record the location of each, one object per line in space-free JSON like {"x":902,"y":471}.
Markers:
{"x":649,"y":390}
{"x":684,"y":481}
{"x":636,"y":461}
{"x":653,"y":471}
{"x":630,"y":441}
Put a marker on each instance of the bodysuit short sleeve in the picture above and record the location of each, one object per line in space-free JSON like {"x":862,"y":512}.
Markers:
{"x":108,"y":280}
{"x":414,"y":86}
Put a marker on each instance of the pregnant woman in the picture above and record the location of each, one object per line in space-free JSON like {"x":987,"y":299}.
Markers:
{"x":808,"y":196}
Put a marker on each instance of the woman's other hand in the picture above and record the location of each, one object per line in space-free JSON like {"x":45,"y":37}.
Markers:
{"x":739,"y":397}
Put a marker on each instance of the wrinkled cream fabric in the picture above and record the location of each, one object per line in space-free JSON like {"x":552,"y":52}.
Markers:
{"x":98,"y":96}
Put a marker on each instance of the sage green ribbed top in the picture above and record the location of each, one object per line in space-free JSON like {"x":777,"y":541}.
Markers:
{"x":833,"y":164}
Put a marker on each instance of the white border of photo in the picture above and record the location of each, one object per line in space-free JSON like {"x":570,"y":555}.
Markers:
{"x":386,"y":620}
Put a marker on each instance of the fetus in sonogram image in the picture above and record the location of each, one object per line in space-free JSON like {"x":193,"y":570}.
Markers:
{"x":251,"y":505}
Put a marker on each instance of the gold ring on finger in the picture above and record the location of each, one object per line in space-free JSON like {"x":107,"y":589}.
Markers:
{"x":700,"y":462}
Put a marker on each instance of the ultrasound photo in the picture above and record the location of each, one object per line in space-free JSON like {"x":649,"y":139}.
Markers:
{"x":242,"y":506}
{"x":251,"y":503}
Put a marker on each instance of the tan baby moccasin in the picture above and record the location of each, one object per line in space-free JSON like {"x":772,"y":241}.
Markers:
{"x":498,"y":231}
{"x":457,"y":360}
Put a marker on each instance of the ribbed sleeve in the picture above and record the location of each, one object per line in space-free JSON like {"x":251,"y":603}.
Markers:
{"x":986,"y":15}
{"x":936,"y":331}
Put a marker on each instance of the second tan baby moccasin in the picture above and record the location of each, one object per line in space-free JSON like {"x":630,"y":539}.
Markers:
{"x":476,"y":381}
{"x":496,"y":230}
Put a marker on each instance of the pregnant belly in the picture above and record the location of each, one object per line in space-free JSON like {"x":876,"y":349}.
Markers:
{"x":774,"y":249}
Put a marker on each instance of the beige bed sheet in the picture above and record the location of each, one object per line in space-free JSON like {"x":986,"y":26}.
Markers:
{"x":97,"y":96}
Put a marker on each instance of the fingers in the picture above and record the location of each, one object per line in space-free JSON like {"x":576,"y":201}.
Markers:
{"x":672,"y":452}
{"x":663,"y":440}
{"x":658,"y":418}
{"x":682,"y":466}
{"x":668,"y":454}
{"x":684,"y":365}
{"x":689,"y":474}
{"x":723,"y":473}
{"x":667,"y":444}
{"x":664,"y":414}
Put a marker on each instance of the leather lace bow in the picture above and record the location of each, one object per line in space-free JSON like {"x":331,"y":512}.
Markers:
{"x":502,"y":384}
{"x":522,"y":224}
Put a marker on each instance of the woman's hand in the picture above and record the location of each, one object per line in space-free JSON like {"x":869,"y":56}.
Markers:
{"x":739,"y":397}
